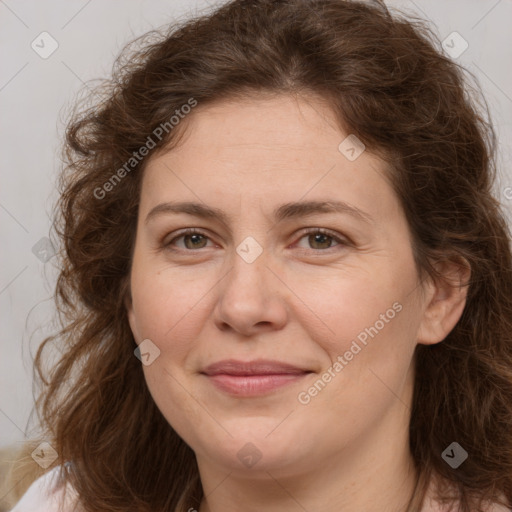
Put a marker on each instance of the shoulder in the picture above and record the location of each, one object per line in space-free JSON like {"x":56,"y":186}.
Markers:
{"x":48,"y":494}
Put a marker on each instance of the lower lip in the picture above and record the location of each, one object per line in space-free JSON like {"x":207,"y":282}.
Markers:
{"x":253,"y":385}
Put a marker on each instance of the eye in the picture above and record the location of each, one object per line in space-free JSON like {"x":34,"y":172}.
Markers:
{"x":192,"y":239}
{"x":318,"y":239}
{"x":321,"y":239}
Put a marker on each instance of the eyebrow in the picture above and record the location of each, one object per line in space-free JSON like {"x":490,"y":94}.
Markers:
{"x":284,"y":211}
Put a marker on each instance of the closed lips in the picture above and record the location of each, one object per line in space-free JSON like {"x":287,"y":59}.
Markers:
{"x":259,"y":367}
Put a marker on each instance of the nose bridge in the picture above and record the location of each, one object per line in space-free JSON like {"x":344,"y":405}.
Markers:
{"x":247,"y":298}
{"x":248,"y":275}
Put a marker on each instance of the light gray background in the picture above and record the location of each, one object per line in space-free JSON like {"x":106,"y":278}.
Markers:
{"x":36,"y":93}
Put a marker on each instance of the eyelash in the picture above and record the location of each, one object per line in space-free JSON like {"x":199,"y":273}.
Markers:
{"x":192,"y":231}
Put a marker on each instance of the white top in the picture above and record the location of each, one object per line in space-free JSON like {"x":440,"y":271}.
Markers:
{"x":47,"y":494}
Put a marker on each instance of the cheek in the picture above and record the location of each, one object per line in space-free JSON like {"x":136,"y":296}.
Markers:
{"x":169,"y":308}
{"x":366,"y":363}
{"x":370,"y":349}
{"x":366,"y":336}
{"x":351,"y":306}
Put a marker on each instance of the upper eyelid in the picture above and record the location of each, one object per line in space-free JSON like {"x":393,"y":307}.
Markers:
{"x":342,"y":239}
{"x":184,"y":232}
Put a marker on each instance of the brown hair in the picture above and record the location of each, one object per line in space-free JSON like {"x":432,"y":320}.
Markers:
{"x":389,"y":85}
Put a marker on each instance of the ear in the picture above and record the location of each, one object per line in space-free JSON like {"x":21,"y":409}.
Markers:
{"x":445,"y":301}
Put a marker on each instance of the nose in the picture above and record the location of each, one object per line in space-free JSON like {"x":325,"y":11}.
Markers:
{"x":251,"y":299}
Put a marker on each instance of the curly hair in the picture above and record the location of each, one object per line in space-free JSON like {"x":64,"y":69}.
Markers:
{"x":386,"y":80}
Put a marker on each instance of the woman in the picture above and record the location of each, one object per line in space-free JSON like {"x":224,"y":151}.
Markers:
{"x":286,"y":283}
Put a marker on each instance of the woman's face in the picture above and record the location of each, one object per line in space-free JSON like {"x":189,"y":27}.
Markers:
{"x":280,"y":347}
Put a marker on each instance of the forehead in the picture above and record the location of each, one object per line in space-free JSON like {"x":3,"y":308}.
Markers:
{"x":265,"y":149}
{"x":282,"y":124}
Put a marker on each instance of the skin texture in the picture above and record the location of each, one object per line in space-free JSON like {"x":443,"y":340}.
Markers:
{"x":300,"y":301}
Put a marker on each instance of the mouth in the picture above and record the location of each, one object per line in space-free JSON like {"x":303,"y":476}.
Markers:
{"x":253,"y":378}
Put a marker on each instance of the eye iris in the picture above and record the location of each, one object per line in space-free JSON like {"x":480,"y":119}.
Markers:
{"x":317,"y":240}
{"x":320,"y":238}
{"x":194,"y":238}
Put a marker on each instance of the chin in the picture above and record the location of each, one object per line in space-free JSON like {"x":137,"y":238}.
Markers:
{"x":257,"y":445}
